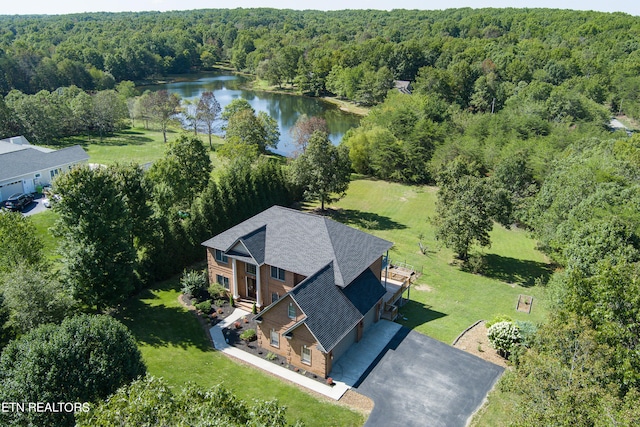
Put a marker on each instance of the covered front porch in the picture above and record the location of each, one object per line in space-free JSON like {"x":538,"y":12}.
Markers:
{"x":246,"y":283}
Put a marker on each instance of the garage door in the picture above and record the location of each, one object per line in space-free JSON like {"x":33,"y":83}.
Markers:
{"x":10,"y":188}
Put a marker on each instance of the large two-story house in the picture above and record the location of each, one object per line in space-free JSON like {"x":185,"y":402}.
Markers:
{"x":315,"y":282}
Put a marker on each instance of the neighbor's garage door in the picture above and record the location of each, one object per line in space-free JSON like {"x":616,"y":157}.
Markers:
{"x":10,"y":188}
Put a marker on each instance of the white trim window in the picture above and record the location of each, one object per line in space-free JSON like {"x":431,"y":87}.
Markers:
{"x":250,"y":268}
{"x":291,"y":311}
{"x":223,"y":280}
{"x":275,"y":339}
{"x":274,"y":297}
{"x":277,"y":273}
{"x":305,"y":356}
{"x":221,"y":257}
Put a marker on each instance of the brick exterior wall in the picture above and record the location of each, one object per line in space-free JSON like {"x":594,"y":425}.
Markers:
{"x":291,"y":349}
{"x":214,"y":267}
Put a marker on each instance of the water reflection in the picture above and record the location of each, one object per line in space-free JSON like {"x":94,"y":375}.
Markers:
{"x":285,"y":109}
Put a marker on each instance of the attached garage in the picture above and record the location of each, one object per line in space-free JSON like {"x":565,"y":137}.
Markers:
{"x":10,"y":188}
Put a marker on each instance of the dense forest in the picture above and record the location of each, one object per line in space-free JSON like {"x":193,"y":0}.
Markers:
{"x":477,"y":59}
{"x":509,"y":116}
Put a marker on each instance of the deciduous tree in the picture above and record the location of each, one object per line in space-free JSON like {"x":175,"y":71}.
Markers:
{"x":34,"y":297}
{"x":19,"y":242}
{"x":207,"y":112}
{"x":150,"y":401}
{"x":97,"y":247}
{"x":305,"y":127}
{"x":182,"y":173}
{"x":164,"y":109}
{"x":463,"y":212}
{"x":83,"y":359}
{"x":324,"y":170}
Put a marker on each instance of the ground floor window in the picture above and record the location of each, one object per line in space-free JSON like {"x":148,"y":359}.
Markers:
{"x":224,"y":281}
{"x":306,"y":355}
{"x":275,"y":338}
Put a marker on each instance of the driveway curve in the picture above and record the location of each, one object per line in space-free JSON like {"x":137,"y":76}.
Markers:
{"x":418,"y":381}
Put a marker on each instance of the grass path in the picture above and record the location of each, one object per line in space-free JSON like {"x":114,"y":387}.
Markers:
{"x":175,"y":347}
{"x":445,"y":299}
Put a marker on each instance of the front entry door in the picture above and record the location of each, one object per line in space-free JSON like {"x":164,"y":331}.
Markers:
{"x":251,"y":288}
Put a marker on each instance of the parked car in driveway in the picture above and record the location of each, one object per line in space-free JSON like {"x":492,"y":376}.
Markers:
{"x":50,"y":200}
{"x":18,"y":201}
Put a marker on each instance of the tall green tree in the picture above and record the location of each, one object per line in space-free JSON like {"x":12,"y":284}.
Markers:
{"x":109,"y":111}
{"x":324,"y":170}
{"x":97,"y":248}
{"x":465,"y":208}
{"x":182,"y":173}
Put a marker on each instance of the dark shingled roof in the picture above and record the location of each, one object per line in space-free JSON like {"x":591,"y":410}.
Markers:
{"x":254,"y":242}
{"x":304,"y":243}
{"x":365,"y":291}
{"x":29,"y":160}
{"x":330,"y":315}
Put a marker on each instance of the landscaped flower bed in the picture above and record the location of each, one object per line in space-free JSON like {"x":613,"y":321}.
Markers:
{"x":233,"y":334}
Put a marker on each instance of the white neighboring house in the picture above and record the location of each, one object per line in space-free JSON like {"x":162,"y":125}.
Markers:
{"x":23,"y":166}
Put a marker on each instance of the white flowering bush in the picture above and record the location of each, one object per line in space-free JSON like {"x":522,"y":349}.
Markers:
{"x":503,"y":336}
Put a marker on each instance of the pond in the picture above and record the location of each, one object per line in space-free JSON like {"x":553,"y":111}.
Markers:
{"x":284,"y":108}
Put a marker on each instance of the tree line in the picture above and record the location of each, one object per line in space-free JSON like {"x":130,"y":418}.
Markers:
{"x":476,"y":59}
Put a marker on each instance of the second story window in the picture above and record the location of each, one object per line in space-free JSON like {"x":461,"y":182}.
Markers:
{"x":292,"y":311}
{"x":221,"y":257}
{"x":277,"y":273}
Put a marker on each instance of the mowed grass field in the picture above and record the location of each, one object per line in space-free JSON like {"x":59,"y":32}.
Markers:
{"x":446,"y":300}
{"x":135,"y":145}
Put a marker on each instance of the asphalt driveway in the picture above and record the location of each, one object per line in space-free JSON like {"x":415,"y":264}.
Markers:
{"x":419,"y":381}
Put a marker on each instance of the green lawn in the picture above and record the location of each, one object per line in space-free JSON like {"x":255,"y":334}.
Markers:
{"x":445,"y":300}
{"x":43,"y":221}
{"x":175,"y":347}
{"x":136,"y":145}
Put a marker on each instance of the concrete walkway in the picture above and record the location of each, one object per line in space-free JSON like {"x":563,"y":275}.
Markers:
{"x":334,"y":392}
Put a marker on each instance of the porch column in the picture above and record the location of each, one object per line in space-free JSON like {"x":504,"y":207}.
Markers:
{"x":234,"y":273}
{"x":386,"y":272}
{"x":258,"y":290}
